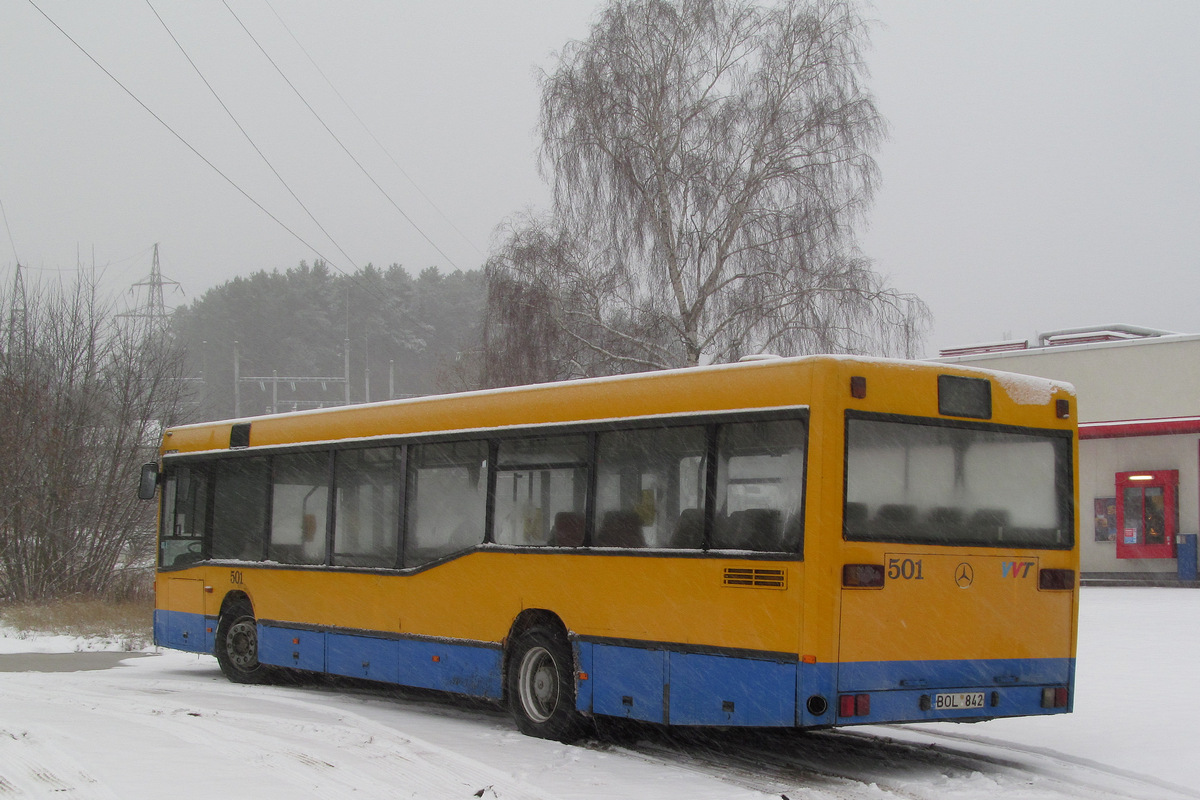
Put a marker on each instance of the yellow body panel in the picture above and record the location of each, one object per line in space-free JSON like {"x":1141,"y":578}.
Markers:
{"x":967,"y":605}
{"x":477,"y":597}
{"x":185,"y":594}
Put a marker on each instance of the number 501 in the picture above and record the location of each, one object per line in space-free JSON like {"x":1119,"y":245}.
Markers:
{"x":907,"y":568}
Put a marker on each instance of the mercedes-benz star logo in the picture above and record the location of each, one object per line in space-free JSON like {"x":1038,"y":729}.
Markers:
{"x":964,"y":576}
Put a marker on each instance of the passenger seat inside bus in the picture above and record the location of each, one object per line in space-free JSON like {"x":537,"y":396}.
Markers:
{"x":855,"y":522}
{"x":567,"y":530}
{"x":689,"y":530}
{"x":944,"y":522}
{"x":755,"y":529}
{"x":896,"y":520}
{"x":989,"y":523}
{"x":620,"y":529}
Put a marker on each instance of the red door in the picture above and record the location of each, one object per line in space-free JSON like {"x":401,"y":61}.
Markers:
{"x":1147,"y":513}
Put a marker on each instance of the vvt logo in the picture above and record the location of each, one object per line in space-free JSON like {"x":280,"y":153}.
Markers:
{"x":1016,"y":569}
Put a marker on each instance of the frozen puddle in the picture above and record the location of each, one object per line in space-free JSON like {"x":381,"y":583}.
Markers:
{"x":63,"y":662}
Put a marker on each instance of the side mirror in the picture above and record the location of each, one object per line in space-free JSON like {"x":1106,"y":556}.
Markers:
{"x":149,"y":481}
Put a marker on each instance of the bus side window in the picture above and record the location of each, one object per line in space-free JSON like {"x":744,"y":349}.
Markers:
{"x":541,"y":491}
{"x":299,"y":508}
{"x":760,"y":486}
{"x":650,"y":487}
{"x":240,"y":492}
{"x":367,"y":518}
{"x":185,"y":504}
{"x":447,"y":500}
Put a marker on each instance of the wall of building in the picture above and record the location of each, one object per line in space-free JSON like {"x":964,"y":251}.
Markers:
{"x":1099,"y":462}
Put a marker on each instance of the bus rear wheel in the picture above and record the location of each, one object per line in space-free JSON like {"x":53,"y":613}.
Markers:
{"x":541,"y":687}
{"x":237,"y":647}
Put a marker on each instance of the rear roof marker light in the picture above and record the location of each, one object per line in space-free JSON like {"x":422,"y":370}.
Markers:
{"x":960,"y":396}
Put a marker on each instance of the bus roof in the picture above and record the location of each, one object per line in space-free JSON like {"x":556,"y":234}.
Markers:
{"x":759,"y":384}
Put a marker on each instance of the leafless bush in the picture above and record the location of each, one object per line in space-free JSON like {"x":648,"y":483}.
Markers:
{"x":85,"y":394}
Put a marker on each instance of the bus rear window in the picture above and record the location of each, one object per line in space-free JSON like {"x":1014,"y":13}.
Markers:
{"x":951,"y":485}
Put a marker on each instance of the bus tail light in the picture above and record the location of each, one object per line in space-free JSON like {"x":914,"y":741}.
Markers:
{"x":1056,"y":579}
{"x":854,"y":705}
{"x":862,"y":576}
{"x":1055,"y":697}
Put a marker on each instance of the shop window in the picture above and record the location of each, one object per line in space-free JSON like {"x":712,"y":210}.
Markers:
{"x":1147,"y":513}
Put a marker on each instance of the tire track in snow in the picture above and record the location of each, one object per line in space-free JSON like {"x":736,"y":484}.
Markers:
{"x":33,"y":766}
{"x":356,"y":755}
{"x":1050,"y":761}
{"x":853,"y":764}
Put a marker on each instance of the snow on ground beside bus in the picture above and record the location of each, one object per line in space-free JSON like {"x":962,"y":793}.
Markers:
{"x":165,"y":722}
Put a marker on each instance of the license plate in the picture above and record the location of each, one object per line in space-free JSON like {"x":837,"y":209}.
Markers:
{"x":958,"y":701}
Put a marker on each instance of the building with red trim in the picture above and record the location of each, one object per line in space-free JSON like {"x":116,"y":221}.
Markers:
{"x":1139,"y":448}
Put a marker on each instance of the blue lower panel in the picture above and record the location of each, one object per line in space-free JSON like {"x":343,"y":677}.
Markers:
{"x":160,"y":628}
{"x":717,"y":690}
{"x":869,"y":676}
{"x":629,"y":682}
{"x":816,"y":693}
{"x":583,"y":688}
{"x":452,"y":667}
{"x":183,"y":631}
{"x":363,"y":657}
{"x":288,"y":647}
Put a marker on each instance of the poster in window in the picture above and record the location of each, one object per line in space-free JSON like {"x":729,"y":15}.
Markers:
{"x":1106,"y":519}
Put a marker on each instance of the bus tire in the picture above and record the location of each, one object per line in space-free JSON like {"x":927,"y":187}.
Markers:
{"x":236,"y":647}
{"x":541,"y":686}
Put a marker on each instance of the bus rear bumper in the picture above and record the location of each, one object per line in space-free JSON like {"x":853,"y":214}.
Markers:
{"x":879,"y":692}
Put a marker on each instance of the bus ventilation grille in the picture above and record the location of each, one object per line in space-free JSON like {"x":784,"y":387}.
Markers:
{"x":756,"y":578}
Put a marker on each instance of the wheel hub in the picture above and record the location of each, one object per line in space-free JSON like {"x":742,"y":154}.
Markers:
{"x":538,"y":684}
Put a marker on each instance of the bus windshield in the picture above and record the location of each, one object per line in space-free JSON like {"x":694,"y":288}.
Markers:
{"x":951,"y":485}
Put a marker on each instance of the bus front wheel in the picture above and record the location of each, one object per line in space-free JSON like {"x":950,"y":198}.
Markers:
{"x":541,"y":687}
{"x":237,"y":647}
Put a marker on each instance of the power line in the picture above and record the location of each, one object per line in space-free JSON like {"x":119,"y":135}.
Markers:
{"x":182,"y":140}
{"x":247,"y":135}
{"x":370,"y":133}
{"x":346,"y":150}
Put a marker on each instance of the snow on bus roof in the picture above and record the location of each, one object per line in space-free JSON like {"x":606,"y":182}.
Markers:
{"x":480,"y":432}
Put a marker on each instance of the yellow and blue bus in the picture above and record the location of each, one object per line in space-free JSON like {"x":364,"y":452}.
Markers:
{"x":791,"y":542}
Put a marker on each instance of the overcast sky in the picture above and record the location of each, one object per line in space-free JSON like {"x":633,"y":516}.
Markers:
{"x":1043,"y":168}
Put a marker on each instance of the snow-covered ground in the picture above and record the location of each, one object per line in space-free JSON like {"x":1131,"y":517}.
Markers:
{"x":167,"y":724}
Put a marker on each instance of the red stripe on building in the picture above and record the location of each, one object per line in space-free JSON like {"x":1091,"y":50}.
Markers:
{"x":1139,"y":427}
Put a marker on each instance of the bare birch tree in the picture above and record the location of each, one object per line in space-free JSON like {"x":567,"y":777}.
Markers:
{"x":710,"y":160}
{"x":85,"y":394}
